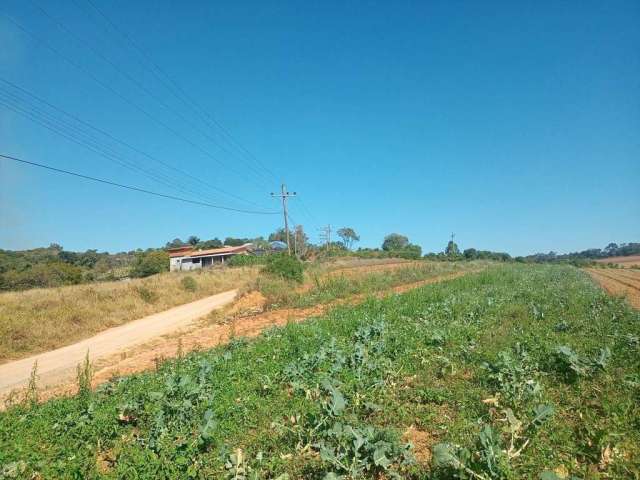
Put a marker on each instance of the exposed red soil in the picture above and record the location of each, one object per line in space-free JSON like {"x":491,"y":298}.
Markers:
{"x":619,"y":282}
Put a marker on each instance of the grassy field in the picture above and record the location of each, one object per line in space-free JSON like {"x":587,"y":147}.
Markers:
{"x":38,"y":320}
{"x":513,"y":372}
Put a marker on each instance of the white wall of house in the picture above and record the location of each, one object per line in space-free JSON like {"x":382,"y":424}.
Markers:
{"x":174,"y":263}
{"x":184,"y":263}
{"x":190,"y":263}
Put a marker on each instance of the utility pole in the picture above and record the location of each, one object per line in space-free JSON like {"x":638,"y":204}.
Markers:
{"x":325,"y":234}
{"x":284,"y":195}
{"x":452,"y":237}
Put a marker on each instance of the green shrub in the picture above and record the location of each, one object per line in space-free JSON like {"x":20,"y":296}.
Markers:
{"x":150,"y":263}
{"x":246,"y":260}
{"x":189,"y":284}
{"x":50,"y":274}
{"x":284,"y":266}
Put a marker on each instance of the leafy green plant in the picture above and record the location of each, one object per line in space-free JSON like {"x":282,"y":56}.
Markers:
{"x":490,"y":458}
{"x":572,"y":365}
{"x":514,"y":375}
{"x":352,"y":452}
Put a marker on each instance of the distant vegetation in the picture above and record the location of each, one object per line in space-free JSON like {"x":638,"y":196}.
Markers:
{"x":611,"y":250}
{"x":53,"y":266}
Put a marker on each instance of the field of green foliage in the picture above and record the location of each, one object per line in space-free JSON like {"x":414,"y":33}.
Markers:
{"x":519,"y":371}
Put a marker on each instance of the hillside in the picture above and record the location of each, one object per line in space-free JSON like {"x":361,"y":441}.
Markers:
{"x":513,"y":372}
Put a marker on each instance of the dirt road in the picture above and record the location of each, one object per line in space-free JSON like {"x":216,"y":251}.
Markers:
{"x":619,"y":282}
{"x":60,"y":365}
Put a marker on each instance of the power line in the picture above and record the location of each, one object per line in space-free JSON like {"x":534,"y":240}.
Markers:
{"x":136,"y":189}
{"x":167,"y":81}
{"x":306,"y":211}
{"x":105,"y":133}
{"x":76,"y":135}
{"x":135,"y":81}
{"x":178,"y":91}
{"x":126,"y":100}
{"x":90,"y":144}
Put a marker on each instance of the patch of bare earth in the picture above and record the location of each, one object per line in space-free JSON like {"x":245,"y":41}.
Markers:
{"x":422,"y":443}
{"x":244,"y":318}
{"x":619,"y":283}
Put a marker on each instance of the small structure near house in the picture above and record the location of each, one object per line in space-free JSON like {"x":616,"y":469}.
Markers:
{"x":188,"y":258}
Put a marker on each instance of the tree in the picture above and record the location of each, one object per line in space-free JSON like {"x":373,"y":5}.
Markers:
{"x":300,"y":241}
{"x":394,"y":241}
{"x":611,"y":249}
{"x":411,"y":252}
{"x":470,"y":253}
{"x":175,"y":243}
{"x":452,"y":249}
{"x":150,"y":263}
{"x":236,"y":242}
{"x":348,"y":236}
{"x":214,"y":243}
{"x":280,"y":235}
{"x":193,"y":240}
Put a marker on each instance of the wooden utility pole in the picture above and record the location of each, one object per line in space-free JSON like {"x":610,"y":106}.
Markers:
{"x":284,"y":195}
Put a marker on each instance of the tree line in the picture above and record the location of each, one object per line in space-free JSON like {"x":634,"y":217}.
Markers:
{"x":54,"y":266}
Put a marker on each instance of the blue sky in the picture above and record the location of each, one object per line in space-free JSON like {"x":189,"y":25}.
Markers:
{"x":515,"y":125}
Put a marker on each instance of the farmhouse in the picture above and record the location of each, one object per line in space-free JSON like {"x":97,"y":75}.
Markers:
{"x":188,"y":258}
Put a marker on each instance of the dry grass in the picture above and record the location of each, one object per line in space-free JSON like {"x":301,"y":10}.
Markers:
{"x":42,"y":319}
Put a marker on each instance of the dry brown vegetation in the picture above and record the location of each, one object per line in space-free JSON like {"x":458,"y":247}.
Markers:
{"x":38,"y":320}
